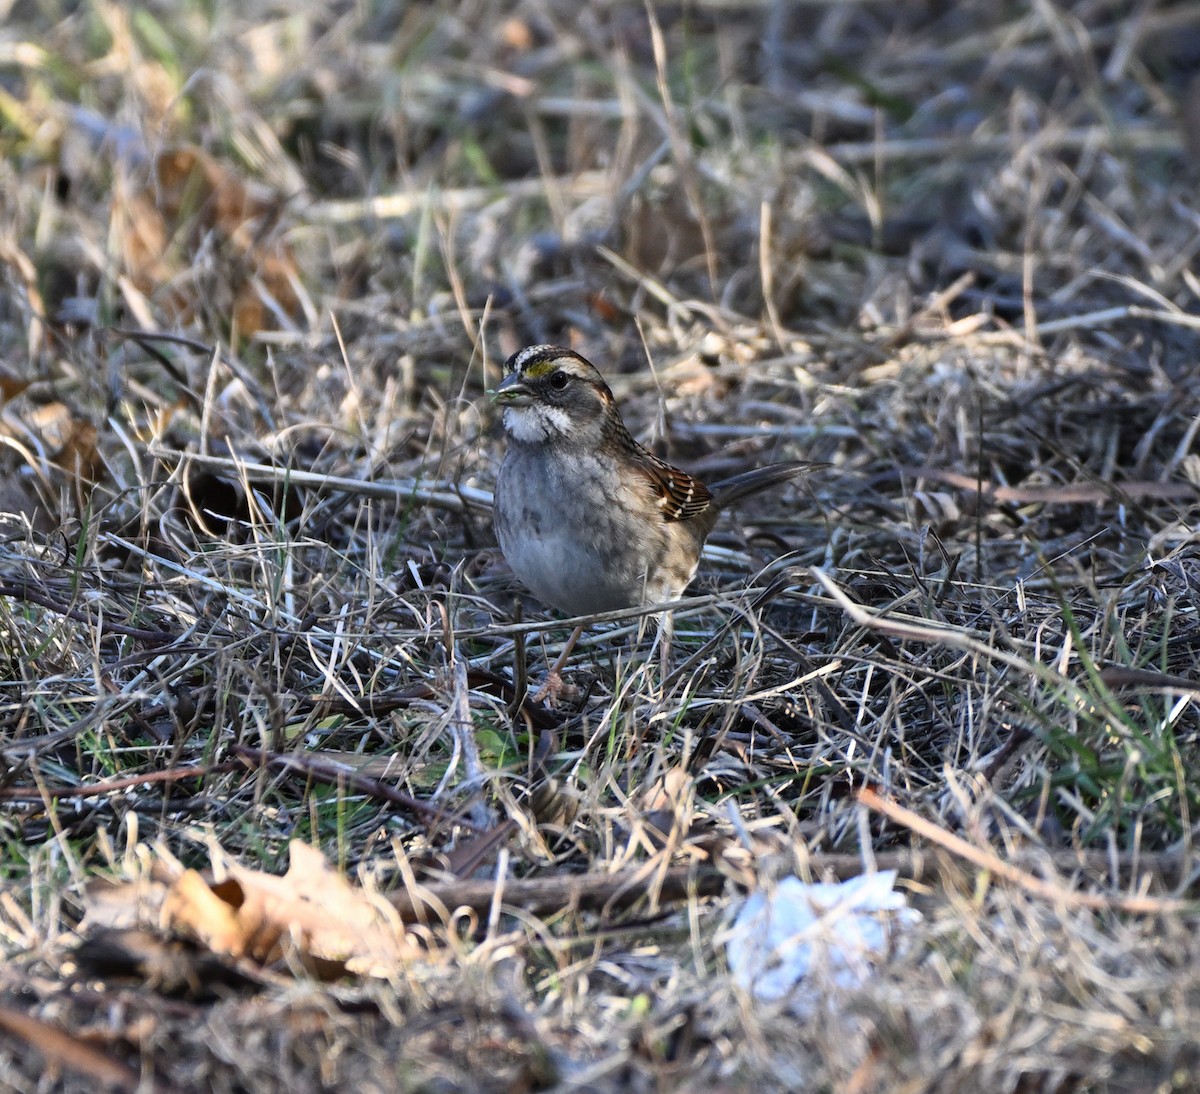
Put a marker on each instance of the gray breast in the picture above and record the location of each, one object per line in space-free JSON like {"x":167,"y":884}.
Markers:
{"x":570,"y":538}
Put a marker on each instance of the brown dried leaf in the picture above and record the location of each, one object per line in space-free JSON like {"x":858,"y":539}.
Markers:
{"x":191,"y":198}
{"x":312,"y":911}
{"x":11,"y":386}
{"x":119,"y":905}
{"x":73,"y":444}
{"x":79,"y":454}
{"x":193,"y":907}
{"x":143,"y":234}
{"x":192,"y":184}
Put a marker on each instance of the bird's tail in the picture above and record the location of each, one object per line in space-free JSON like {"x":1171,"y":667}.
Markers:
{"x":751,"y":482}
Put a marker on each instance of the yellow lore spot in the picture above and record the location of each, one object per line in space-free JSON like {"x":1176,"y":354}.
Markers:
{"x":541,"y":368}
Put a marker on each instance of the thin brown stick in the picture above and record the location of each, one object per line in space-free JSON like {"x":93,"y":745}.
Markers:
{"x":25,"y":592}
{"x":57,"y":1046}
{"x":115,"y":786}
{"x":1075,"y":493}
{"x":986,"y":859}
{"x":327,"y":771}
{"x":544,"y":896}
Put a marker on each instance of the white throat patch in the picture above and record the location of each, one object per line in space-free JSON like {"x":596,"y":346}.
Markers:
{"x":532,"y":424}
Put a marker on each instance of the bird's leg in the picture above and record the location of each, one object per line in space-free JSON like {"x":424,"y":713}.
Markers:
{"x":553,"y":682}
{"x":662,"y":642}
{"x":666,"y":632}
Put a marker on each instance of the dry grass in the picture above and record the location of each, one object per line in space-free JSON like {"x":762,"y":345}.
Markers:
{"x":948,"y":249}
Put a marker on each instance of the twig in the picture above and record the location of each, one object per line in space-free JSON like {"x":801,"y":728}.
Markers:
{"x":461,"y":727}
{"x":25,"y":592}
{"x":976,"y":147}
{"x":450,"y":199}
{"x":543,"y":896}
{"x":67,"y":1050}
{"x":986,"y":859}
{"x":115,"y":786}
{"x":458,"y":500}
{"x":1074,"y":493}
{"x":328,"y":771}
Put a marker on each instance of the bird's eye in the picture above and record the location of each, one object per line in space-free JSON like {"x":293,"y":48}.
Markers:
{"x":559,"y":380}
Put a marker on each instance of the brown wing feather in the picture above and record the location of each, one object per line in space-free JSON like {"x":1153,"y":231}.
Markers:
{"x":680,"y":496}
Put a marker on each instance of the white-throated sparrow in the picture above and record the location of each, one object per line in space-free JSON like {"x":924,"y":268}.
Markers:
{"x":588,"y":519}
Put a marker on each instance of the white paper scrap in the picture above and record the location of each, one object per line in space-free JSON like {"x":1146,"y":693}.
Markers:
{"x":779,"y":936}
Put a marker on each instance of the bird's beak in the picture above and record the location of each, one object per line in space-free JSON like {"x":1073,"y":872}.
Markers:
{"x":512,"y":391}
